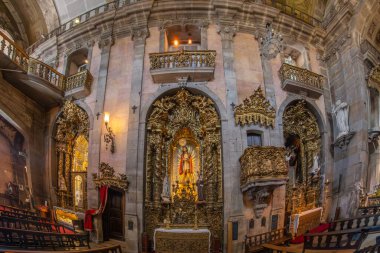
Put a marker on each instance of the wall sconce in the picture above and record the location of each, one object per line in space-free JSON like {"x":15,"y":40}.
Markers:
{"x":176,"y":43}
{"x":109,"y":137}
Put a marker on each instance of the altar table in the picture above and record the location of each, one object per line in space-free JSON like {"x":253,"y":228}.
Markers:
{"x":182,"y":240}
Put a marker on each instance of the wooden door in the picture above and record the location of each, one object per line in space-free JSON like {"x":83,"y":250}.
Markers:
{"x":113,"y":222}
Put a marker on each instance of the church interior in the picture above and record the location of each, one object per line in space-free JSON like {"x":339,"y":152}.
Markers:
{"x":166,"y":126}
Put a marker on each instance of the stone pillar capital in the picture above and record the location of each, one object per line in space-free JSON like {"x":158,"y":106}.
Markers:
{"x":227,"y":32}
{"x":106,"y":42}
{"x":139,"y":35}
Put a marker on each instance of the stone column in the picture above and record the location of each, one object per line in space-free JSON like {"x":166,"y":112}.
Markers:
{"x":232,"y":141}
{"x":134,"y":196}
{"x":96,"y":132}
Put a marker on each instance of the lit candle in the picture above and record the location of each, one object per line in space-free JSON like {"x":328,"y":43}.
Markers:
{"x":106,"y":117}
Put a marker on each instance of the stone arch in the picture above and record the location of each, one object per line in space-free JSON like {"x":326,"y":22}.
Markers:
{"x":176,"y":119}
{"x":305,"y":145}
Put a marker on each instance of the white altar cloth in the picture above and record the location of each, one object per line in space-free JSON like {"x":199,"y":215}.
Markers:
{"x":182,"y":230}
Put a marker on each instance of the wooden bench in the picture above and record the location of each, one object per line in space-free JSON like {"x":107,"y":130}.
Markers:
{"x":371,"y":249}
{"x":345,"y":239}
{"x":24,"y":216}
{"x":366,"y":221}
{"x":112,"y":249}
{"x":18,"y":238}
{"x":11,"y":222}
{"x":16,"y":210}
{"x":255,"y":243}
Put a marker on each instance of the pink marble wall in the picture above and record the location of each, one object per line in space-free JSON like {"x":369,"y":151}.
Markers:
{"x":218,"y":85}
{"x":247,"y":65}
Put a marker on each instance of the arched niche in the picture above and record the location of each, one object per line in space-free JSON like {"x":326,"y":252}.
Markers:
{"x":71,"y":151}
{"x":303,"y":143}
{"x":183,"y":136}
{"x":77,"y":61}
{"x":296,"y":55}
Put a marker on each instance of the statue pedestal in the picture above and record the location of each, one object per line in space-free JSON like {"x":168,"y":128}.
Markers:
{"x":184,"y":240}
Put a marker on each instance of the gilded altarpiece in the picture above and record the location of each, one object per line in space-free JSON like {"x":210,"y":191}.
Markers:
{"x":183,"y":184}
{"x":303,"y":148}
{"x":72,"y":156}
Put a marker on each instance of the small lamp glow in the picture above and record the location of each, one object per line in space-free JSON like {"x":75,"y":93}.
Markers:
{"x":189,"y":41}
{"x":76,"y":21}
{"x":106,"y":117}
{"x":86,"y":61}
{"x":176,"y":43}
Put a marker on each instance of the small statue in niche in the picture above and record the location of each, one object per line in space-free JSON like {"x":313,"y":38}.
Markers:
{"x":291,"y":159}
{"x":341,"y":110}
{"x":166,"y":190}
{"x":200,"y":186}
{"x":316,"y":168}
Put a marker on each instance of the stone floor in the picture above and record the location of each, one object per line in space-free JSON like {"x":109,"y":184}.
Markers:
{"x":109,"y":243}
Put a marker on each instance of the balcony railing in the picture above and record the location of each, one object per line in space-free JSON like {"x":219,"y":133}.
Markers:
{"x":196,"y":65}
{"x":46,"y":72}
{"x":81,"y":79}
{"x":78,"y":85}
{"x":36,"y":68}
{"x":14,"y":53}
{"x":259,"y":164}
{"x":291,"y":11}
{"x":295,"y":79}
{"x":81,"y":19}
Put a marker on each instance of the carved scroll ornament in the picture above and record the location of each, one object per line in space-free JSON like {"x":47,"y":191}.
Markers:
{"x":260,"y":164}
{"x":255,"y":110}
{"x":374,"y":78}
{"x":107,"y":177}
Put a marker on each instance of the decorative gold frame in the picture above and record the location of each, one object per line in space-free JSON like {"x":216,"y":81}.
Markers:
{"x":168,"y":116}
{"x":107,"y":177}
{"x":298,"y":120}
{"x":72,"y":123}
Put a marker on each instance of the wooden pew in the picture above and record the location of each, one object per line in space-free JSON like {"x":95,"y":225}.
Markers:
{"x":11,"y":222}
{"x":371,"y":249}
{"x":255,"y":243}
{"x":345,"y":239}
{"x":366,"y":221}
{"x":112,"y":249}
{"x":16,"y":210}
{"x":18,"y":238}
{"x":24,"y":216}
{"x":369,"y":210}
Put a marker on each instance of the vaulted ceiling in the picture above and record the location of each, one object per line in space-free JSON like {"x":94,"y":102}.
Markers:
{"x":69,"y":9}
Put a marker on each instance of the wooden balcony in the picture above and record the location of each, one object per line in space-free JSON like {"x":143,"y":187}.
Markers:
{"x":195,"y":66}
{"x":301,"y":81}
{"x":37,"y":80}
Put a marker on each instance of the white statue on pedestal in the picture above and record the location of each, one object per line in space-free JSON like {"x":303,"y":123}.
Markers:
{"x":341,"y":114}
{"x":315,"y":169}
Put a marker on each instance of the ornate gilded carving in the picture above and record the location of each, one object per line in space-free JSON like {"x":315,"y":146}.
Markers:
{"x":107,"y":177}
{"x":301,"y":75}
{"x":73,"y":123}
{"x":182,"y":242}
{"x":182,"y":59}
{"x":374,"y":78}
{"x":173,"y":118}
{"x":255,"y":110}
{"x":262,"y":163}
{"x":301,"y":126}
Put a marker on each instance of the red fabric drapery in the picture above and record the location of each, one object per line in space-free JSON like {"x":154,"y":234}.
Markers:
{"x":91,"y":212}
